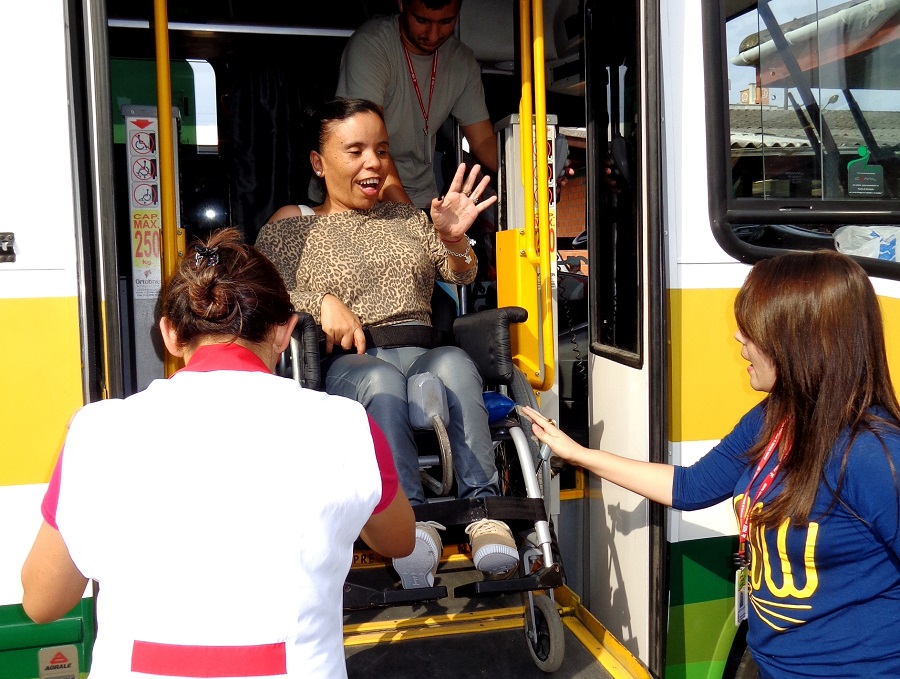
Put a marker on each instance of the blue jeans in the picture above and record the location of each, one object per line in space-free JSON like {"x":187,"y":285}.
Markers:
{"x":377,"y":379}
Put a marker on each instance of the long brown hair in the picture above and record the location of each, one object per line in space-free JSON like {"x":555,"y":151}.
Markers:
{"x":225,"y":289}
{"x":816,"y":317}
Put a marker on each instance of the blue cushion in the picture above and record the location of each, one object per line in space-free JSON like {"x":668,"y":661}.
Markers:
{"x":498,"y":406}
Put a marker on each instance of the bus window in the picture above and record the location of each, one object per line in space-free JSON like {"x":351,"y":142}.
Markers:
{"x":803,"y":118}
{"x":614,"y":236}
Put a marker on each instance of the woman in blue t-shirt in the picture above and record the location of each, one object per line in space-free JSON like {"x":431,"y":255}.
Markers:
{"x":812,"y":470}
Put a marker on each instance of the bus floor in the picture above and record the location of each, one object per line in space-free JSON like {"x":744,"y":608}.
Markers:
{"x":452,"y":637}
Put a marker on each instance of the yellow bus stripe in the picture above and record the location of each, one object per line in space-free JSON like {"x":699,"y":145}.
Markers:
{"x":40,"y":344}
{"x":709,"y":386}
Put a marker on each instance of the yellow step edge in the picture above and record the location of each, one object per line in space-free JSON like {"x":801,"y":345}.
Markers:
{"x":434,"y":620}
{"x":403,"y":633}
{"x":608,"y":650}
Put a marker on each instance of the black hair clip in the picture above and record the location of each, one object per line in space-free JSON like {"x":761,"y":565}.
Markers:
{"x":211,"y":254}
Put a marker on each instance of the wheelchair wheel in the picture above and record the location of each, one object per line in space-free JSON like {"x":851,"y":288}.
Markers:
{"x":507,"y":459}
{"x":522,"y":393}
{"x":440,"y":487}
{"x":544,"y":634}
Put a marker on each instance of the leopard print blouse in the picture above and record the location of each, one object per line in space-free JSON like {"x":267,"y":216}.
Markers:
{"x":382,"y":262}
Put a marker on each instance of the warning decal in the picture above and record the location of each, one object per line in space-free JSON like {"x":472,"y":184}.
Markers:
{"x":143,"y":180}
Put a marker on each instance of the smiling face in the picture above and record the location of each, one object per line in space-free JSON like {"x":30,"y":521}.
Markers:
{"x":424,"y":30}
{"x":353,"y":162}
{"x":761,"y":368}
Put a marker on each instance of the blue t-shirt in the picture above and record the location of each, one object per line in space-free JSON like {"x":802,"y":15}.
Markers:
{"x":825,"y":598}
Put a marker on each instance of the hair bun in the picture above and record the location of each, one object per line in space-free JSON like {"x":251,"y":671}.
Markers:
{"x":212,"y":298}
{"x":224,"y":288}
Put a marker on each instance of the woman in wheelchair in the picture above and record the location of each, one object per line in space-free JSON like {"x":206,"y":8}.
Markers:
{"x":365,"y":271}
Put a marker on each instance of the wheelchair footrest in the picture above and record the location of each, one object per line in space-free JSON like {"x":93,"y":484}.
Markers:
{"x":358,"y":597}
{"x":545,"y":578}
{"x":463,"y":512}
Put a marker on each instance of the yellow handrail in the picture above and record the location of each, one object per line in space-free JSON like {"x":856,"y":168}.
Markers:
{"x":526,"y":133}
{"x":543,"y":200}
{"x":169,"y":236}
{"x":531,"y":31}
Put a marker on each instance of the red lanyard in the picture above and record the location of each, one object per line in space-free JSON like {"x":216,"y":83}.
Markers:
{"x":746,"y":506}
{"x":415,"y":82}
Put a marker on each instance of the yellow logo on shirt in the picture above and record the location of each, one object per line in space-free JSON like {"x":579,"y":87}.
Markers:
{"x":777,"y":569}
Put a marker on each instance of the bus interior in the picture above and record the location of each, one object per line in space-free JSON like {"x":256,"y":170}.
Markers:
{"x":245,"y":77}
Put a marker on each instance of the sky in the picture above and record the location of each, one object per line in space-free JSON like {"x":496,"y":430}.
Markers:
{"x":785,"y":11}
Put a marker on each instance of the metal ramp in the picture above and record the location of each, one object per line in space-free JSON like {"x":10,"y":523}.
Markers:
{"x":462,"y":637}
{"x":494,"y":654}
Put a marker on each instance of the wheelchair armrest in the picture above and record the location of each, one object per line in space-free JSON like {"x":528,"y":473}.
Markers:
{"x":484,"y":335}
{"x":307,"y":334}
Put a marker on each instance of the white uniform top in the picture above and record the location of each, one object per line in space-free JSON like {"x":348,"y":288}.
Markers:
{"x":218,"y":510}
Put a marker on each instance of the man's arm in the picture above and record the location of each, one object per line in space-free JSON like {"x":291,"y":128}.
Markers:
{"x":482,"y":143}
{"x":392,"y":190}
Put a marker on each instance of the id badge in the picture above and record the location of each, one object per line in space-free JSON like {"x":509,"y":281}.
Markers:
{"x":741,"y":595}
{"x":427,"y":148}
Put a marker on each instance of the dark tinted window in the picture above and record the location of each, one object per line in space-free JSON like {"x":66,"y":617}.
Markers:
{"x":806,"y":102}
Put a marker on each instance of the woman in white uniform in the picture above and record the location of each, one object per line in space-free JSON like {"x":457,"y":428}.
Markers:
{"x":217,"y":509}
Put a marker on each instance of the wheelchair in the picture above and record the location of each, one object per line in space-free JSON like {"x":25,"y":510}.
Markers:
{"x":485,"y":337}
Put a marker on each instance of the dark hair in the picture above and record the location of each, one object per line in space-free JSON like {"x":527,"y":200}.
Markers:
{"x":339,"y":109}
{"x":815,"y":315}
{"x":224,"y":288}
{"x":437,"y":4}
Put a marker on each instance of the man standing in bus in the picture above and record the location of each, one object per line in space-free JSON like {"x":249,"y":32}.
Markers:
{"x":420,"y":74}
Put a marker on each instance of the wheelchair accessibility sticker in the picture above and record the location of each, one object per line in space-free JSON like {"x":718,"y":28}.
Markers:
{"x":864,"y":179}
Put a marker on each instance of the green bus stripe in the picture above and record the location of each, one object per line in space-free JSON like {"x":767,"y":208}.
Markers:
{"x":701,"y":570}
{"x":701,"y":612}
{"x":703,"y":631}
{"x":21,"y":639}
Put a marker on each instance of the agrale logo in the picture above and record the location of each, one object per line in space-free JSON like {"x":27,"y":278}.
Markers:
{"x":58,"y":662}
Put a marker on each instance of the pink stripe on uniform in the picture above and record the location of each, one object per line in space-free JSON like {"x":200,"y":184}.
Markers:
{"x":168,"y":660}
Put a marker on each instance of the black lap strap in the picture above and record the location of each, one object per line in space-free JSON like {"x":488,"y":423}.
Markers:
{"x":392,"y":336}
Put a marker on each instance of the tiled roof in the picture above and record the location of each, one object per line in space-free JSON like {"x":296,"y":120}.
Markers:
{"x":755,"y":127}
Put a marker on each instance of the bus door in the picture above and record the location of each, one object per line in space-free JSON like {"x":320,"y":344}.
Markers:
{"x":624,"y":539}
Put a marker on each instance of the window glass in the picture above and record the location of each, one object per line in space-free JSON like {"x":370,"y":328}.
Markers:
{"x":205,"y":105}
{"x":814,"y":95}
{"x":614,"y":219}
{"x":808,"y":99}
